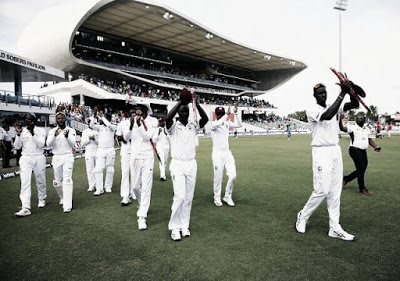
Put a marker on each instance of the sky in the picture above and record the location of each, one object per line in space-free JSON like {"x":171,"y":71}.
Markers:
{"x":306,"y":30}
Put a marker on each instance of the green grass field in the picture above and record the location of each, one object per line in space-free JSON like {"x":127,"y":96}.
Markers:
{"x":256,"y":240}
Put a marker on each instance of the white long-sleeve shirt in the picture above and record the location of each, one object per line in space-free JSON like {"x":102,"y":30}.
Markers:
{"x":161,"y":138}
{"x":124,"y":124}
{"x":141,"y":147}
{"x":89,"y":144}
{"x":106,"y":133}
{"x":220,"y":132}
{"x":60,"y":144}
{"x":31,"y":145}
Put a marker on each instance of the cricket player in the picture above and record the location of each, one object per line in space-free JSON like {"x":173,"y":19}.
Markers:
{"x":6,"y":144}
{"x":221,"y":155}
{"x":31,"y":139}
{"x":125,"y":155}
{"x":90,"y":141}
{"x":105,"y":155}
{"x":183,"y":166}
{"x":327,"y":162}
{"x":162,"y":146}
{"x":140,"y":132}
{"x":62,"y":139}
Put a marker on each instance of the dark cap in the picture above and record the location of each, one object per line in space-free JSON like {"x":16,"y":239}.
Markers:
{"x":219,"y":110}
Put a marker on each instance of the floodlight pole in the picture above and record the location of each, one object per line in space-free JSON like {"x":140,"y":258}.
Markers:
{"x":341,"y":6}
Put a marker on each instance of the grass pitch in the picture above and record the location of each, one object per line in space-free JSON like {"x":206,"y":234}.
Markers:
{"x":256,"y":240}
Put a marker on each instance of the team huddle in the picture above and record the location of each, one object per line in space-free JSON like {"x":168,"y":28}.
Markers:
{"x":140,"y":136}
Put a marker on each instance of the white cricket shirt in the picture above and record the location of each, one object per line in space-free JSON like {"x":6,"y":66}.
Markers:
{"x":60,"y":144}
{"x":220,"y":132}
{"x":31,"y":145}
{"x":183,"y":140}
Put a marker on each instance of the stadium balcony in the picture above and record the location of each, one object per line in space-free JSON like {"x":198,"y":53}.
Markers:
{"x":10,"y":102}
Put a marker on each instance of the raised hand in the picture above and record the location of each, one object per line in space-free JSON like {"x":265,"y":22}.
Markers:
{"x":66,"y":133}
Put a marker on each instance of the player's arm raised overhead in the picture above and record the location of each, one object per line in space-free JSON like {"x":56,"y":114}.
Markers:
{"x":171,"y":114}
{"x":333,"y":109}
{"x":204,"y":119}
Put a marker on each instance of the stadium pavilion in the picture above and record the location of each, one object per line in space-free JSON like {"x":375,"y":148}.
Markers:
{"x":123,"y":49}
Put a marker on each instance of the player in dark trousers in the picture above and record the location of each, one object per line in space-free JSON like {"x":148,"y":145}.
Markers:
{"x":6,"y":141}
{"x":360,"y":138}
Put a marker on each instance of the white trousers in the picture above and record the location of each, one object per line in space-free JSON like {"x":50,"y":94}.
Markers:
{"x":27,"y":164}
{"x":125,"y":169}
{"x":142,"y":182}
{"x":183,"y":175}
{"x":327,"y":179}
{"x":63,"y":166}
{"x":90,"y":160}
{"x":105,"y":158}
{"x":163,"y":153}
{"x":221,"y":160}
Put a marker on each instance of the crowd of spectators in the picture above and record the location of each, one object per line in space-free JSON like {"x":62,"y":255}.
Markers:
{"x":148,"y":91}
{"x":131,"y":56}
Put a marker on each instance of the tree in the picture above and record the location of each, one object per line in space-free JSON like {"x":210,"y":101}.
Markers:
{"x":373,"y":114}
{"x":299,"y":115}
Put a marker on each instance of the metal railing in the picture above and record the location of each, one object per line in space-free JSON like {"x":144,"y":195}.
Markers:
{"x":9,"y":97}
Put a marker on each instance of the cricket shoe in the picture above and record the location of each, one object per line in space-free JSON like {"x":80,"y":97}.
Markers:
{"x":61,"y":202}
{"x":229,"y":201}
{"x":68,"y":210}
{"x":176,"y":235}
{"x":125,"y":201}
{"x":41,"y":203}
{"x":23,"y":213}
{"x":341,"y":234}
{"x":142,"y":223}
{"x":185,"y":232}
{"x":108,"y":190}
{"x":217,"y":202}
{"x":91,"y":189}
{"x":300,"y":223}
{"x":98,"y":192}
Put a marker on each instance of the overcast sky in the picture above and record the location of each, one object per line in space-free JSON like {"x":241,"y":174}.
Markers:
{"x":305,"y":30}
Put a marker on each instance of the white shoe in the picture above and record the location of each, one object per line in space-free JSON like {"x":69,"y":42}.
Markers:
{"x":341,"y":234}
{"x":60,"y":202}
{"x":142,"y":223}
{"x":91,"y":189}
{"x":68,"y":210}
{"x":300,"y":223}
{"x":23,"y":212}
{"x":108,"y":190}
{"x":98,"y":192}
{"x":217,"y":202}
{"x":229,"y":201}
{"x":133,"y":196}
{"x":185,"y":232}
{"x":125,"y":201}
{"x":176,"y":235}
{"x":41,"y":203}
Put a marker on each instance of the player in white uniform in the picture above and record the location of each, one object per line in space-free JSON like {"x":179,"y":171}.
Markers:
{"x":222,"y":156}
{"x":105,"y":155}
{"x":140,"y":132}
{"x":90,"y":142}
{"x":62,"y":139}
{"x":125,"y":155}
{"x":327,"y":160}
{"x":31,"y":139}
{"x":183,"y":166}
{"x":162,"y":139}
